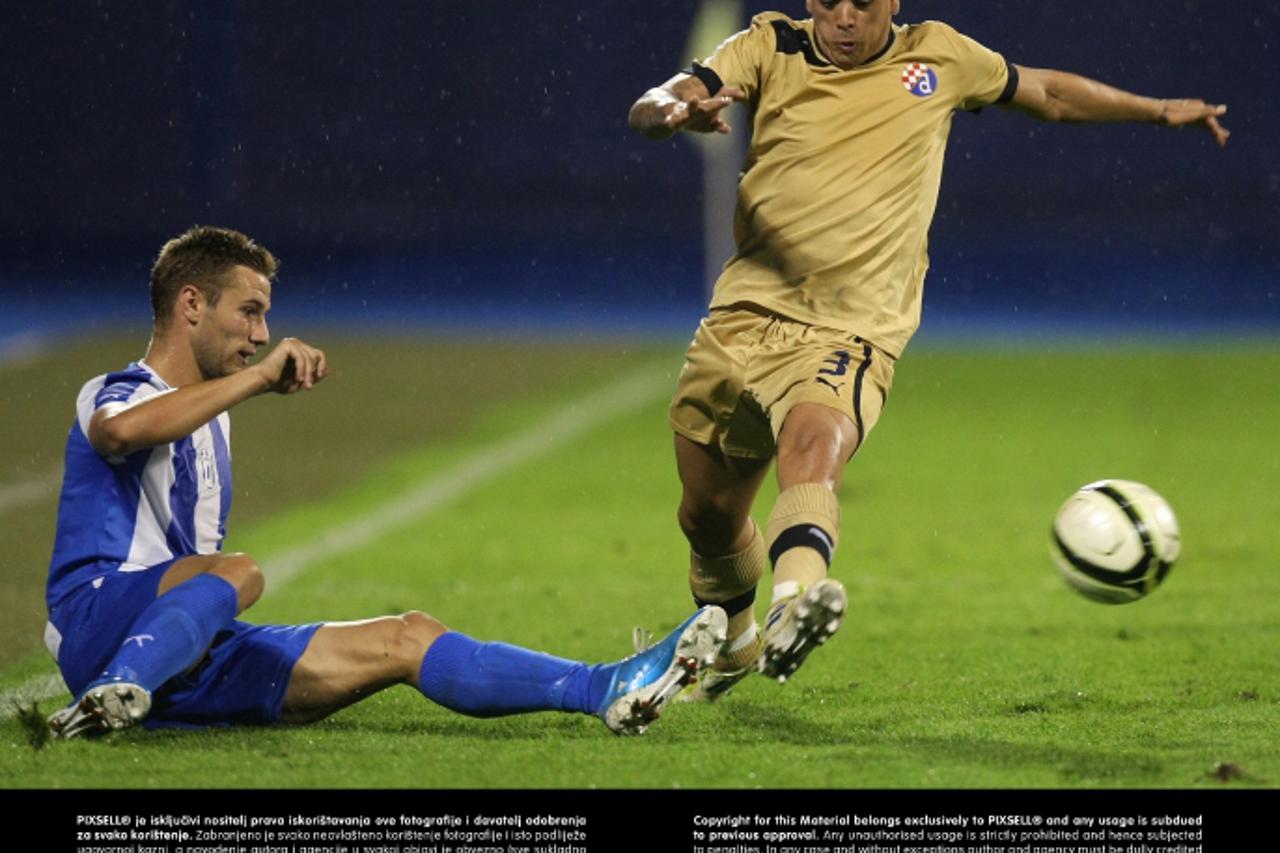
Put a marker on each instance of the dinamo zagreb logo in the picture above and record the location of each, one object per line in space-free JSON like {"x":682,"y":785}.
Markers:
{"x":919,"y":80}
{"x":207,"y":467}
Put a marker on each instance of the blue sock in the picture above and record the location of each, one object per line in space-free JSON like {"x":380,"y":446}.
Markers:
{"x":493,"y":679}
{"x":171,"y":634}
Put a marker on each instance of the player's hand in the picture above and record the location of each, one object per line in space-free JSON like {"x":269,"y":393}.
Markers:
{"x":702,"y":115}
{"x":292,"y":366}
{"x":1187,"y":111}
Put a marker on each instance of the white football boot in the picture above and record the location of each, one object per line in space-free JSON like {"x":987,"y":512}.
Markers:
{"x":103,"y":707}
{"x":805,"y":622}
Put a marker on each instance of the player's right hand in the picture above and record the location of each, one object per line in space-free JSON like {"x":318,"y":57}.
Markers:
{"x":292,"y":366}
{"x":1185,"y":112}
{"x":702,"y":115}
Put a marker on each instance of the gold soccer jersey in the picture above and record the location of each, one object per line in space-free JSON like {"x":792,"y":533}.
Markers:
{"x":842,"y":175}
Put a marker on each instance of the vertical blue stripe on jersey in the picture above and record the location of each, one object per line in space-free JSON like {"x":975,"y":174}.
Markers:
{"x":222,"y":454}
{"x":97,"y":511}
{"x":123,"y":479}
{"x":181,"y":535}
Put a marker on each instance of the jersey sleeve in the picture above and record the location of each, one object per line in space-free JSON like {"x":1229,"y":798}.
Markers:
{"x":114,"y":393}
{"x":986,"y":76}
{"x":123,"y":386}
{"x":738,"y":60}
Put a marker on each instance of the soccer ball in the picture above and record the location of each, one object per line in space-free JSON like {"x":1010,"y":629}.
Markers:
{"x":1115,"y":540}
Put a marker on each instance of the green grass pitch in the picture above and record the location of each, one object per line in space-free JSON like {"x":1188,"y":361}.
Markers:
{"x":965,"y":661}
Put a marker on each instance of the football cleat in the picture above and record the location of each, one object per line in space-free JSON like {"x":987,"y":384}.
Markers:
{"x":103,"y":707}
{"x":806,"y":621}
{"x":644,"y":682}
{"x":715,"y":684}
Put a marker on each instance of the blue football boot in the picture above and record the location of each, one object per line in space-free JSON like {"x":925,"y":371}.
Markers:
{"x":642,"y":683}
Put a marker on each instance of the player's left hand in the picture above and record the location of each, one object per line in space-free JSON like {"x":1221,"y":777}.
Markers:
{"x":1189,"y":111}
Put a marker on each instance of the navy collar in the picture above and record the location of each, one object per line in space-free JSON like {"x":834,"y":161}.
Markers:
{"x":888,"y":44}
{"x":816,"y":55}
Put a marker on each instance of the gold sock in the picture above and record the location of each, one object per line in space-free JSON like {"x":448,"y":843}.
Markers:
{"x":802,"y":533}
{"x":730,"y":582}
{"x":744,"y":649}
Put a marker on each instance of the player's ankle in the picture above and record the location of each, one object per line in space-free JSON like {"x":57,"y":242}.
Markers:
{"x":739,"y":651}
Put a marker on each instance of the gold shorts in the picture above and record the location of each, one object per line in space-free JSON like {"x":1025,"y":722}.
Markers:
{"x":745,"y":371}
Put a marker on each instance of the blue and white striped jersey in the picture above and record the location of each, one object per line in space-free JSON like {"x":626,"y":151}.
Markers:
{"x":128,"y":513}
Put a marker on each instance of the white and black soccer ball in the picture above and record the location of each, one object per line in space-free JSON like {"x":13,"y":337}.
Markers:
{"x":1115,"y":540}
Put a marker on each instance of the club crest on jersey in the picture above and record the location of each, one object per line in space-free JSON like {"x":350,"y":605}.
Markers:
{"x":207,"y":466}
{"x":919,"y":79}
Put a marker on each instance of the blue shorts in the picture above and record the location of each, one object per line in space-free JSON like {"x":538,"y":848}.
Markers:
{"x":242,"y":678}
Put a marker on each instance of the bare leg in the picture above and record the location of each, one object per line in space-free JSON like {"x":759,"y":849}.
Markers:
{"x":718,"y":493}
{"x":807,"y":607}
{"x":814,"y":445}
{"x":727,"y":557}
{"x":349,"y":661}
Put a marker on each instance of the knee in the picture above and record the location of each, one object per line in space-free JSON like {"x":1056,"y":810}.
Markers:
{"x":814,"y":448}
{"x":242,"y":572}
{"x":414,"y":632}
{"x":817,"y":442}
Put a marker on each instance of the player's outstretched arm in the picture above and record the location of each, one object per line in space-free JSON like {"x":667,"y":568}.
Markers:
{"x":1061,"y":96}
{"x":682,"y":103}
{"x":165,"y":418}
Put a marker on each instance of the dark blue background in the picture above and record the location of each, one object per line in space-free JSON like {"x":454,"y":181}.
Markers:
{"x":453,"y":162}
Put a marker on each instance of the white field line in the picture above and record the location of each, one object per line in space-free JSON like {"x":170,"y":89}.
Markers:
{"x":469,"y":473}
{"x":37,"y":688}
{"x":30,"y":491}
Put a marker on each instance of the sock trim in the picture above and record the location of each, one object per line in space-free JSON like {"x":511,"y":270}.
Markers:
{"x":803,"y":536}
{"x":734,"y":605}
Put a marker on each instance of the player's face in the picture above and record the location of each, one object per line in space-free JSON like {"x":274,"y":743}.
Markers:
{"x":851,"y":31}
{"x":230,"y":332}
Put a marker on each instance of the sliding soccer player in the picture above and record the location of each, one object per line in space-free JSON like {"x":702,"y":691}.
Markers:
{"x":143,"y":603}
